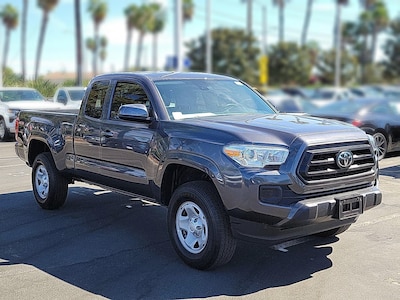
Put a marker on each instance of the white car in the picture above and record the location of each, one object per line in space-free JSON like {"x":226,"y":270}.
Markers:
{"x":14,"y":99}
{"x":71,"y":97}
{"x":324,"y":96}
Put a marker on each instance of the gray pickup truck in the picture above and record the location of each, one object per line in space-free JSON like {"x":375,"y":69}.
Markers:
{"x":210,"y":148}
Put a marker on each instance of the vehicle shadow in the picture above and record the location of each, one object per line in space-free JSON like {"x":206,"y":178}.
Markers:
{"x":393,"y":171}
{"x":110,"y":245}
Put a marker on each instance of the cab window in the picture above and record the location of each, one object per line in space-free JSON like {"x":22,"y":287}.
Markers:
{"x":95,"y":101}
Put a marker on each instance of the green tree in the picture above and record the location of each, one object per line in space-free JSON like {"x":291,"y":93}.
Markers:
{"x":231,"y":54}
{"x":9,"y":16}
{"x":392,"y":49}
{"x":130,"y":14}
{"x":98,"y":11}
{"x":289,"y":64}
{"x":360,"y":36}
{"x":326,"y":67}
{"x":47,"y":6}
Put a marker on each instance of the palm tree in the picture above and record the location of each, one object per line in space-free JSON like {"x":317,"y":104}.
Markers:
{"x":142,"y":19}
{"x":78,"y":36}
{"x":306,"y":22}
{"x":23,"y":38}
{"x":187,"y":10}
{"x":281,"y":7}
{"x":380,"y":21}
{"x":46,"y":6}
{"x":103,"y":51}
{"x":9,"y":15}
{"x":338,"y":39}
{"x":98,"y":10}
{"x":130,"y":13}
{"x":156,"y":26}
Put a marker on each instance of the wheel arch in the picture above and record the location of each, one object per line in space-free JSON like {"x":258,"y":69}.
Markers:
{"x":36,"y":147}
{"x":179,"y":172}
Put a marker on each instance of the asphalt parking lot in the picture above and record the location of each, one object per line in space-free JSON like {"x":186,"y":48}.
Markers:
{"x":104,"y":245}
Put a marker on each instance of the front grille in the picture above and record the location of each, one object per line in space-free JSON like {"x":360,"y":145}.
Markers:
{"x":319,"y":163}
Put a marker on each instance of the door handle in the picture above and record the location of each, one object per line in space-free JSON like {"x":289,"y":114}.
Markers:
{"x":107,"y":133}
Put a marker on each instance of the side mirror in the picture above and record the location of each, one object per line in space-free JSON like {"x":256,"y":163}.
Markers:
{"x":134,"y":112}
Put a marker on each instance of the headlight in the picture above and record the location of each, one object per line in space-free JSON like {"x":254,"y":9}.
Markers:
{"x":12,"y":114}
{"x":256,"y":156}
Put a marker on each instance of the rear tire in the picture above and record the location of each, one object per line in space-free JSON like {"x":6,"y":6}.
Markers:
{"x":199,"y":226}
{"x":49,"y":186}
{"x":4,"y":134}
{"x":333,"y":232}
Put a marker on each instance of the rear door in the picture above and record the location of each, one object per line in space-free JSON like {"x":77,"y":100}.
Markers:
{"x":87,"y":137}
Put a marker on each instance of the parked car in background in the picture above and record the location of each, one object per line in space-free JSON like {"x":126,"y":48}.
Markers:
{"x":379,"y":117}
{"x":366,"y":91}
{"x":301,"y":92}
{"x":275,"y":95}
{"x":14,"y":99}
{"x":70,"y":96}
{"x":293,"y":105}
{"x":327,"y":95}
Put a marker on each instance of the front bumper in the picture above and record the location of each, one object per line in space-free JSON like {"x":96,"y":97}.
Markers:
{"x":304,"y":217}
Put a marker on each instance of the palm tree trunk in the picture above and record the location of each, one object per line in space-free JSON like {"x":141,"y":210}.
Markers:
{"x":139,"y":50}
{"x":127,"y":49}
{"x":95,"y":50}
{"x":78,"y":34}
{"x":306,"y":22}
{"x":373,"y":45}
{"x":40,"y":43}
{"x":5,"y":53}
{"x":281,"y":22}
{"x":23,"y":39}
{"x":155,"y":50}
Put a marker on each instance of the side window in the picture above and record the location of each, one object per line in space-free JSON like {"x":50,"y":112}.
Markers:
{"x":128,"y":93}
{"x":62,"y":97}
{"x":95,"y":101}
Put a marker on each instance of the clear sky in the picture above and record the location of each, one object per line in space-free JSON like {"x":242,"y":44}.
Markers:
{"x":59,"y":47}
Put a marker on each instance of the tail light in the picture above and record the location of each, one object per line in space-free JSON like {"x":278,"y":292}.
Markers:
{"x":356,"y":123}
{"x":16,"y":128}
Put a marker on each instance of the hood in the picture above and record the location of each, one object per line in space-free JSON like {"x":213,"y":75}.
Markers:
{"x":32,"y":105}
{"x":279,"y":129}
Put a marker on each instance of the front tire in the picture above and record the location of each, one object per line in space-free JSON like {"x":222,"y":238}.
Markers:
{"x":49,"y":186}
{"x":199,"y":227}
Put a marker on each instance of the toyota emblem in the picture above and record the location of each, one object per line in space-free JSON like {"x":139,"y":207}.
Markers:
{"x":344,"y":159}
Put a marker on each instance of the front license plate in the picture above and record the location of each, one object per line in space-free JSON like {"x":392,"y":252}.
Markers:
{"x":349,"y":207}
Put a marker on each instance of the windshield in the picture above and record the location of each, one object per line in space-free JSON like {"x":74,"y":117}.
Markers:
{"x":200,"y":97}
{"x":76,"y":95}
{"x":21,"y":95}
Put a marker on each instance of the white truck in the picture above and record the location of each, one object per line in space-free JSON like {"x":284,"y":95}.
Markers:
{"x":70,"y":97}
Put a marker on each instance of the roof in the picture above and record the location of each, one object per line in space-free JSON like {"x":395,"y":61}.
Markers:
{"x":154,"y":76}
